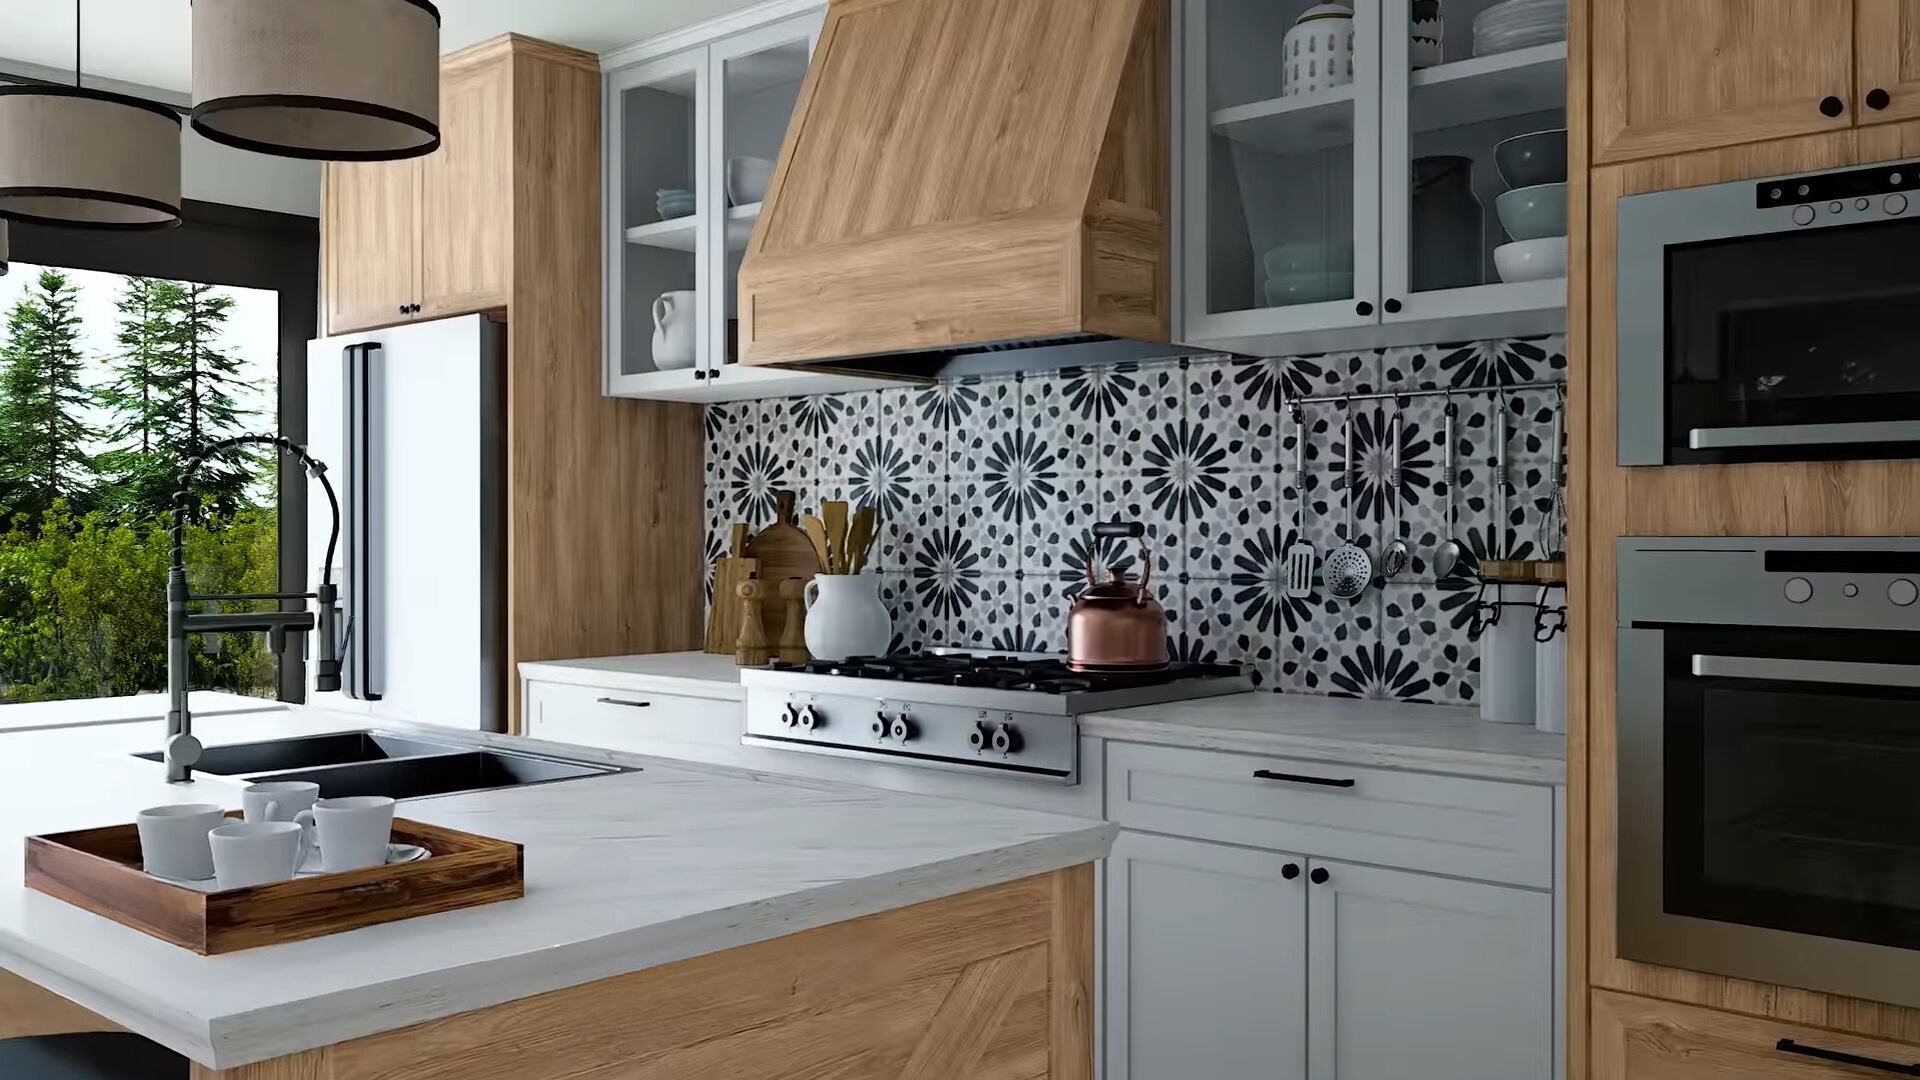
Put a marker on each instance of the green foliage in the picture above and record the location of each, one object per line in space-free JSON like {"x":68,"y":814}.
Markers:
{"x":83,"y":603}
{"x":43,"y":440}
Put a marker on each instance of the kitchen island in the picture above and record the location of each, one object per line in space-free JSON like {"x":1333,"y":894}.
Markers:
{"x":678,"y":920}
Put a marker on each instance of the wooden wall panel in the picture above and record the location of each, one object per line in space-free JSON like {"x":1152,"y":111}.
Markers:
{"x":26,"y":1009}
{"x":1579,"y":525}
{"x":1826,"y":498}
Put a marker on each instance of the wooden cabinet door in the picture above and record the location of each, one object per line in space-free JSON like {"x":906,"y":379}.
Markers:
{"x":1637,"y":1038}
{"x":466,"y":187}
{"x":1206,"y":961}
{"x":370,"y":243}
{"x":1415,"y":977}
{"x":1669,"y":76}
{"x":1886,"y":53}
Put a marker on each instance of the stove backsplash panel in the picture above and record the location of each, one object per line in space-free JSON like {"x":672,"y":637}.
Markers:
{"x":986,"y":488}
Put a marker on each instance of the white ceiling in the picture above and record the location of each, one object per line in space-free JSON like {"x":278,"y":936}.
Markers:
{"x":147,"y":41}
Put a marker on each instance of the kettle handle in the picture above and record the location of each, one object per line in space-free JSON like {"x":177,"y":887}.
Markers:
{"x":1122,"y":530}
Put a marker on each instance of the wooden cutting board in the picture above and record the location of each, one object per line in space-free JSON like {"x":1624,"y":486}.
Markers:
{"x":723,"y":613}
{"x":783,"y":551}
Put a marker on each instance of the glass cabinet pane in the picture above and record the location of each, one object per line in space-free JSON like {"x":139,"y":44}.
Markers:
{"x":1289,"y":87}
{"x":660,"y":203}
{"x":1476,"y":128}
{"x":758,"y":88}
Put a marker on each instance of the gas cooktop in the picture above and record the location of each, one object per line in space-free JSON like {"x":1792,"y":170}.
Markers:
{"x":975,"y":712}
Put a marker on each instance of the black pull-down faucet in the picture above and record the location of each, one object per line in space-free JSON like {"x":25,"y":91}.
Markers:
{"x":182,"y":749}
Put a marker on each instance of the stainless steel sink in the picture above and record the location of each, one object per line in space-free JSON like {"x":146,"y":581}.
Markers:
{"x":398,"y":766}
{"x":310,"y":751}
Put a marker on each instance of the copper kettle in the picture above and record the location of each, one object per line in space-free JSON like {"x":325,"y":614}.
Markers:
{"x":1116,"y":625}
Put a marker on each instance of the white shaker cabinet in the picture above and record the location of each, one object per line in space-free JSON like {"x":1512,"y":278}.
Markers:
{"x":1206,"y":962}
{"x":1417,"y":977}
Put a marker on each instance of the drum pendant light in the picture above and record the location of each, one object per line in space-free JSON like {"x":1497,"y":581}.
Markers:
{"x":333,"y":80}
{"x":78,"y":157}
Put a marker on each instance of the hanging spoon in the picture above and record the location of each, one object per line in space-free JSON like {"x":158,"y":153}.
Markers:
{"x":1394,"y":559}
{"x":1447,"y":559}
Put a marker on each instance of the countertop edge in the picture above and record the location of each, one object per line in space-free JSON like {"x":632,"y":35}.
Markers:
{"x":559,"y":671}
{"x":1479,"y":764}
{"x":247,"y":1038}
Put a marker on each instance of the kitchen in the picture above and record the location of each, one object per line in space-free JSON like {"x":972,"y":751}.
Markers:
{"x":1404,"y":583}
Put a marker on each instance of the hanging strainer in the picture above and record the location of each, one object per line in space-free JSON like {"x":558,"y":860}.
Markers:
{"x":1348,"y":570}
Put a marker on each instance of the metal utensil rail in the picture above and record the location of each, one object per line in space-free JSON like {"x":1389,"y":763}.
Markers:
{"x":1405,"y":395}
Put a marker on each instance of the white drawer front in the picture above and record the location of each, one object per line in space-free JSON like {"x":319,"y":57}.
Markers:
{"x":635,"y":721}
{"x":1482,"y":829}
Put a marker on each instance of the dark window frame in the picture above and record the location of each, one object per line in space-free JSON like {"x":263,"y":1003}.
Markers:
{"x":241,"y":247}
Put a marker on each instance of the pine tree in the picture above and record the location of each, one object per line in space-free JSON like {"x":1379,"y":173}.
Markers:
{"x":43,"y":438}
{"x":197,"y":382}
{"x":141,"y":471}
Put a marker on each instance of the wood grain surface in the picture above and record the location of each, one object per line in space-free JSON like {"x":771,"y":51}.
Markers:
{"x":783,"y":551}
{"x":1886,"y":53}
{"x":1644,"y":1039}
{"x":970,"y":987}
{"x":28,"y":1009}
{"x":960,"y":171}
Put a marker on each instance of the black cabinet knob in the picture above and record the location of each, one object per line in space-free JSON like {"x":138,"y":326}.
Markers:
{"x":403,"y":309}
{"x":1832,"y":106}
{"x":1363,"y":308}
{"x":1290,"y":871}
{"x":1878,"y":99}
{"x":1392,"y":305}
{"x":1319,"y":875}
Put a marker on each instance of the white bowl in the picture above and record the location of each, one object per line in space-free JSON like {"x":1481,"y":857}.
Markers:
{"x":1532,"y":260}
{"x":747,"y":180}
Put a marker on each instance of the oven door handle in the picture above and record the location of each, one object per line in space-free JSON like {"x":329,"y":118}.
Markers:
{"x":1873,"y":431}
{"x":1812,"y":671}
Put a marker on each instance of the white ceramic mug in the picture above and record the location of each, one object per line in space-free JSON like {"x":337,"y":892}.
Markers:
{"x":257,"y":852}
{"x":352,"y":832}
{"x":173,"y":840}
{"x":845,"y":617}
{"x":674,"y":316}
{"x":278,"y":800}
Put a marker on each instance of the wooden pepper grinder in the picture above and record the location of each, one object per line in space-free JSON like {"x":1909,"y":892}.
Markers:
{"x":751,"y":650}
{"x":793,"y":637}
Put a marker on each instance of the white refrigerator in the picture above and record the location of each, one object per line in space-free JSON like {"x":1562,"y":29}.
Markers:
{"x":411,"y":423}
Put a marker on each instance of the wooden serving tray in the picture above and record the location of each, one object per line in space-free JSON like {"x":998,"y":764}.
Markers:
{"x":99,"y":869}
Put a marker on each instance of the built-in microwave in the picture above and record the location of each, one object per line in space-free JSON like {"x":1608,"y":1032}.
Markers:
{"x":1771,"y":320}
{"x":1768,"y":746}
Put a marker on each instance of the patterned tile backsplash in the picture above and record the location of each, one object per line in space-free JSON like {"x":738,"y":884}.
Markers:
{"x":986,"y":488}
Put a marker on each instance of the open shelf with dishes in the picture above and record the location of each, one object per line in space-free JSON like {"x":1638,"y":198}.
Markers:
{"x":1349,"y":190}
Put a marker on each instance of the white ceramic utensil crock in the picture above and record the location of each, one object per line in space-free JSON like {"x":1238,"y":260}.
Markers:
{"x":845,"y":617}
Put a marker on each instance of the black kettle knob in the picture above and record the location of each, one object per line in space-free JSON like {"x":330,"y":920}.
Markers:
{"x":1117,"y":530}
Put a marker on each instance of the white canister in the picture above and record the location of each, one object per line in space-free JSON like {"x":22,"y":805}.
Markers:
{"x":1507,"y":658}
{"x":845,"y":617}
{"x":1550,"y":662}
{"x":675,"y":315}
{"x":1317,"y":53}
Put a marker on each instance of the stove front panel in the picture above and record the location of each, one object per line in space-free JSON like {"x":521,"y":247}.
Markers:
{"x":1043,"y":746}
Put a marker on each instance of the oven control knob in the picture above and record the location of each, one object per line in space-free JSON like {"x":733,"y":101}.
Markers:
{"x":882,"y":724}
{"x":1850,"y":589}
{"x":1803,"y":215}
{"x":1799,"y":590}
{"x":1896,"y":204}
{"x":980,"y":737}
{"x":809,"y":720}
{"x":1861,"y":204}
{"x":790,"y":716}
{"x":902,"y":730}
{"x":1006,"y":739}
{"x":1903,"y":592}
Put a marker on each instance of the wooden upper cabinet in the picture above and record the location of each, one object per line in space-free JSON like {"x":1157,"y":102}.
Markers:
{"x":1637,"y":1038}
{"x":1670,"y":76}
{"x":1886,"y":77}
{"x":370,"y":248}
{"x":466,"y":194}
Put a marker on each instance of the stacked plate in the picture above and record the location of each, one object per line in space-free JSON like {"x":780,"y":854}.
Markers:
{"x":673,"y":203}
{"x":1519,"y":24}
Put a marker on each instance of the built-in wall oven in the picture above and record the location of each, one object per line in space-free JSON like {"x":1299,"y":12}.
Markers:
{"x":1771,"y":320}
{"x":1768,"y":731}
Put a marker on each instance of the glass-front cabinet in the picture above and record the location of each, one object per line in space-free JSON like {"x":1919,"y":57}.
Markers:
{"x":691,"y":141}
{"x":1343,"y":169}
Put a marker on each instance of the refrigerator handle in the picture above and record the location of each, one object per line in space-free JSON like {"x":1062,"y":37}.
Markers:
{"x":360,"y":678}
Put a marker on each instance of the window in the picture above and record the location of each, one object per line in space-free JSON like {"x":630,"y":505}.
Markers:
{"x":123,"y":355}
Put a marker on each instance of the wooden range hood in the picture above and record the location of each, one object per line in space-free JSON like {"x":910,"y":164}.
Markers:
{"x":964,"y":177}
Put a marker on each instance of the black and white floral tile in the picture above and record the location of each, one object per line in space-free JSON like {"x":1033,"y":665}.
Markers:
{"x":986,"y":488}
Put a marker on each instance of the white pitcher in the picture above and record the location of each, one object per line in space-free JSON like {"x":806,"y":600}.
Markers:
{"x":674,"y":317}
{"x":845,"y":617}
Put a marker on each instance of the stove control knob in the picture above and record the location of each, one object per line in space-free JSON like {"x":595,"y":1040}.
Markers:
{"x":1006,"y":739}
{"x":790,"y":716}
{"x":881,"y":725}
{"x":1903,"y":592}
{"x":980,"y":737}
{"x":1799,"y":590}
{"x":809,"y":720}
{"x":902,"y":730}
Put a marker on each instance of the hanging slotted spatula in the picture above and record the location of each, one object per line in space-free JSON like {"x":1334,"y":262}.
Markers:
{"x":1298,"y":560}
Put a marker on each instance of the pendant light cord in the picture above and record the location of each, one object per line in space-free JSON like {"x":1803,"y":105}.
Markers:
{"x":76,"y":44}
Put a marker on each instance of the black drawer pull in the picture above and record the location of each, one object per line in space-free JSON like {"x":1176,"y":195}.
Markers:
{"x":628,"y":704}
{"x":1790,"y":1047}
{"x":1295,"y":778}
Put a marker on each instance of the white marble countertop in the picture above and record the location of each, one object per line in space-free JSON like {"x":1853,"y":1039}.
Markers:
{"x":1402,"y":735}
{"x":31,"y":715}
{"x":623,"y":872}
{"x":695,"y":674}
